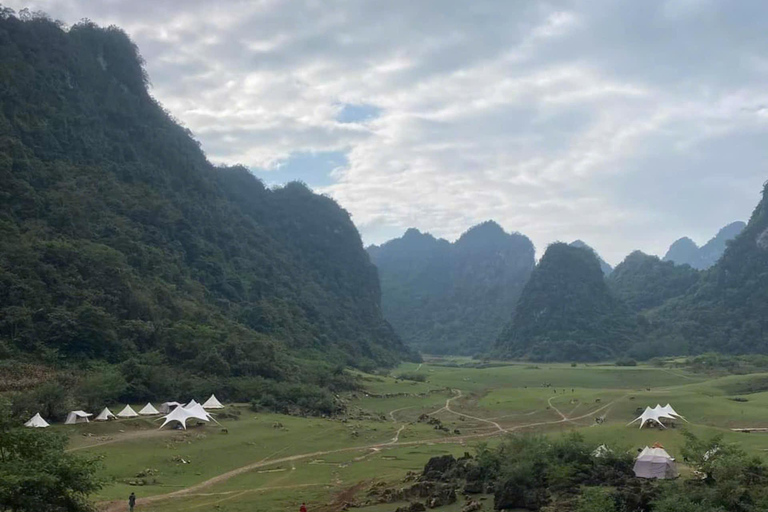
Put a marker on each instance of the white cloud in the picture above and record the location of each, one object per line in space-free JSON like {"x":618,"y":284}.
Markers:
{"x":625,"y":124}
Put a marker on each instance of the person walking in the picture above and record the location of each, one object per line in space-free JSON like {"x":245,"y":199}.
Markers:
{"x":131,"y":501}
{"x":303,"y":507}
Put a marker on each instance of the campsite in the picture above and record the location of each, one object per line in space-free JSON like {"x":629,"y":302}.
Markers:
{"x":396,"y":425}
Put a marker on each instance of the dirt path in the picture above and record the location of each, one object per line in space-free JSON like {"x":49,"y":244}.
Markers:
{"x":554,"y":407}
{"x":119,"y":506}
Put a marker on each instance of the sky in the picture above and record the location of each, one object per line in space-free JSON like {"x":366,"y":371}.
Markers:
{"x":627,"y":124}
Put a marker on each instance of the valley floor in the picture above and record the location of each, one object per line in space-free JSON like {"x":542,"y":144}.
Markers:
{"x":276,"y":462}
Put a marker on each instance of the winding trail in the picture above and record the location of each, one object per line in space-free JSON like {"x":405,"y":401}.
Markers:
{"x":118,"y":506}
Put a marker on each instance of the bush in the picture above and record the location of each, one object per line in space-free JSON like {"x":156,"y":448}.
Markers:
{"x":417,"y":377}
{"x":626,"y":361}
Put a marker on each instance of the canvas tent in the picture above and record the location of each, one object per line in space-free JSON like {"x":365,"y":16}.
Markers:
{"x":149,"y":410}
{"x":104,"y":415}
{"x":212,"y":403}
{"x":128,"y":412}
{"x":670,"y":412}
{"x":655,"y":463}
{"x":192,"y":403}
{"x":648,"y":415}
{"x":182,"y":414}
{"x":36,"y":421}
{"x":167,"y":407}
{"x":77,"y":417}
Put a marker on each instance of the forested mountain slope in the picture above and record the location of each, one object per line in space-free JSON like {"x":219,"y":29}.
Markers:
{"x":566,"y":312}
{"x":645,"y":282}
{"x":452,"y":298}
{"x":727,"y":310}
{"x":685,"y":251}
{"x":120,"y":242}
{"x":604,"y":266}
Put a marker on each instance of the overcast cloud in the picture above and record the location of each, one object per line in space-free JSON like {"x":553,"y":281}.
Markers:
{"x":626,"y":124}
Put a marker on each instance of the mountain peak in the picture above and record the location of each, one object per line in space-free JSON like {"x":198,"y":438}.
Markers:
{"x":685,"y":251}
{"x":604,"y":266}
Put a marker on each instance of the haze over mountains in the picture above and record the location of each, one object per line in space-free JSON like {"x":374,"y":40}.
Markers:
{"x":685,"y":251}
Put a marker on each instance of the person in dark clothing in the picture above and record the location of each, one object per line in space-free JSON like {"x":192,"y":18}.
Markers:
{"x":131,"y":501}
{"x":303,"y":508}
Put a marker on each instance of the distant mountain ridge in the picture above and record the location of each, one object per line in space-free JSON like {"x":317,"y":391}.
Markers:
{"x":452,"y":298}
{"x":604,"y":266}
{"x":684,"y":251}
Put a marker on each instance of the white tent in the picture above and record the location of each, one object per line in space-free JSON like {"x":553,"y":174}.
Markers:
{"x":77,"y":417}
{"x":671,"y":412}
{"x":36,"y":421}
{"x":648,"y":414}
{"x":167,"y":407}
{"x":149,"y":410}
{"x":104,"y":415}
{"x":128,"y":412}
{"x":655,"y":463}
{"x":190,"y":404}
{"x":181,"y":415}
{"x":212,"y":403}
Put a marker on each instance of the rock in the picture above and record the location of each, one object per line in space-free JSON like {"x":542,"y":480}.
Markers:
{"x":472,"y":506}
{"x":436,"y":468}
{"x":457,"y":431}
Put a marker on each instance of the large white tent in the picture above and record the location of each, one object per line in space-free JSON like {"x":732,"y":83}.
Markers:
{"x":149,"y":410}
{"x":670,"y":412}
{"x":104,"y":415}
{"x":36,"y":421}
{"x":655,"y":463}
{"x":182,"y":414}
{"x":128,"y":412}
{"x":167,"y":407}
{"x":212,"y":403}
{"x":190,"y":404}
{"x":77,"y":417}
{"x":657,"y":414}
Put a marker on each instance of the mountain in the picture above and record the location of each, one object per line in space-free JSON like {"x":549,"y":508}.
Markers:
{"x":121,"y":243}
{"x":604,"y":266}
{"x":727,"y":310}
{"x":645,"y":282}
{"x":452,"y":298}
{"x":685,"y":251}
{"x":566,"y":312}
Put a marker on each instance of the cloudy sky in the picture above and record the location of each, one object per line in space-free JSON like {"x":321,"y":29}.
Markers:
{"x":627,"y":124}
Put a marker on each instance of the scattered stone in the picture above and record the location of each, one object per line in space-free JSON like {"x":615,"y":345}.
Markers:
{"x":472,"y":506}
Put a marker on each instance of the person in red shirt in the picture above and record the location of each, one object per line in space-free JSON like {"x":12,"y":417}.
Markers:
{"x":303,"y":508}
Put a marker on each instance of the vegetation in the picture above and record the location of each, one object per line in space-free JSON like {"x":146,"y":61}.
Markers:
{"x":566,"y":312}
{"x":121,"y":245}
{"x":644,"y":282}
{"x":445,"y":298}
{"x":685,"y":251}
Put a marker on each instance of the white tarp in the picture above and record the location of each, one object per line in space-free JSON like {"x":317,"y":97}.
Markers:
{"x":128,"y":412}
{"x":36,"y":421}
{"x":77,"y":417}
{"x":655,"y":463}
{"x":149,"y":410}
{"x":212,"y":403}
{"x":167,"y":407}
{"x":104,"y":415}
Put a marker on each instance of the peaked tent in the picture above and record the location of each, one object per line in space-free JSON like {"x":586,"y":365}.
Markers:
{"x":104,"y":415}
{"x":669,"y":410}
{"x":77,"y":417}
{"x":648,"y":414}
{"x":36,"y":421}
{"x":128,"y":412}
{"x":198,"y":409}
{"x":167,"y":407}
{"x":655,"y":463}
{"x":661,"y":412}
{"x":192,"y":403}
{"x":181,"y":415}
{"x":212,"y":403}
{"x":149,"y":410}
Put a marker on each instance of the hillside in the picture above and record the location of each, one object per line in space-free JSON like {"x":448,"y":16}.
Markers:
{"x":685,"y":251}
{"x":566,"y":312}
{"x":604,"y":266}
{"x":452,"y":298}
{"x":645,"y":282}
{"x":726,"y":311}
{"x":121,"y":243}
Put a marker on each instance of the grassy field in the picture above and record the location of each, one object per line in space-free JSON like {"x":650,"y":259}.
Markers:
{"x":268,"y":461}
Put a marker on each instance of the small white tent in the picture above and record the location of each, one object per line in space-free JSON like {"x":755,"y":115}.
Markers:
{"x":192,"y":403}
{"x":149,"y":410}
{"x":655,"y":463}
{"x":182,"y":414}
{"x":167,"y":407}
{"x":212,"y":403}
{"x":104,"y":415}
{"x":128,"y":412}
{"x":36,"y":421}
{"x":77,"y":417}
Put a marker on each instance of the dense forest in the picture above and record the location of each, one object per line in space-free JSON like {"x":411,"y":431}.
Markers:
{"x":120,"y":244}
{"x":604,"y":266}
{"x":684,"y":251}
{"x":567,"y":312}
{"x":452,"y":298}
